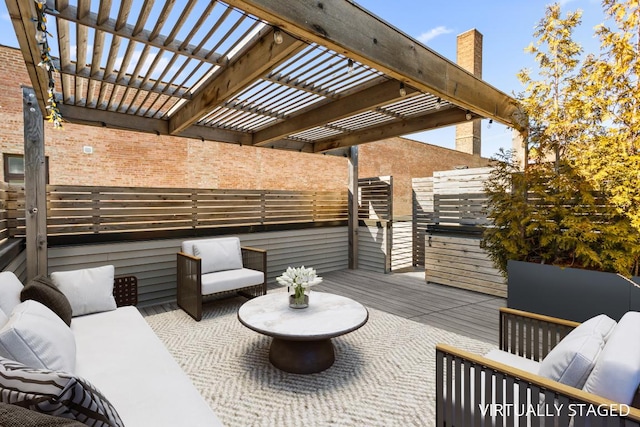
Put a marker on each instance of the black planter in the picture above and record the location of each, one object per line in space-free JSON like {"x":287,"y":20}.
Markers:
{"x":569,"y":293}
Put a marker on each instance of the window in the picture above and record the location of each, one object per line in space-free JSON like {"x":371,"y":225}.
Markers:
{"x":14,"y":168}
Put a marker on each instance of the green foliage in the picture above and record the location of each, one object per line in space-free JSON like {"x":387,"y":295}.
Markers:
{"x":578,"y":199}
{"x":549,"y":214}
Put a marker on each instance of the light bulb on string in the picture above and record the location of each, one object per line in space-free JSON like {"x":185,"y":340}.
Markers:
{"x":468,"y":116}
{"x":350,"y":66}
{"x":489,"y":124}
{"x":277,"y":36}
{"x":403,"y":90}
{"x":438,"y":103}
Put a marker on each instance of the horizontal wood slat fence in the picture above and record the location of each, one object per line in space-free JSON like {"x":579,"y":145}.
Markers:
{"x":4,"y":214}
{"x":77,"y":210}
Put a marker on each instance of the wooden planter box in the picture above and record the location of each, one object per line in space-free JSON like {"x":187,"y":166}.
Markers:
{"x":569,"y":293}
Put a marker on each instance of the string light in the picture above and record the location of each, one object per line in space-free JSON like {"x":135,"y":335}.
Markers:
{"x":438,"y":103}
{"x":468,"y":115}
{"x":277,"y":36}
{"x":490,"y":123}
{"x":350,"y":66}
{"x":46,"y":61}
{"x":403,"y":90}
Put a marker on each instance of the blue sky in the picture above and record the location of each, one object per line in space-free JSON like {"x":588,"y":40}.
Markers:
{"x":506,"y":26}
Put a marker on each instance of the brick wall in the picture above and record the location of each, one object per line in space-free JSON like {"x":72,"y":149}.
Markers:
{"x":125,"y":158}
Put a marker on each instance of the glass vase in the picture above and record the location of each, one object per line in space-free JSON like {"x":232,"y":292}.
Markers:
{"x":298,"y":296}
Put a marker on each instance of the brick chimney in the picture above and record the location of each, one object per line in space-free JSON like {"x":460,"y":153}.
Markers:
{"x":469,"y":57}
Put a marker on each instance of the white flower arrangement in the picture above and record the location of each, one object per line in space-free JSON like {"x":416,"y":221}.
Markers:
{"x":299,"y":278}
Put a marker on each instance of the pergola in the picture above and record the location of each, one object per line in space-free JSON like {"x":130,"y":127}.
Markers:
{"x":317,"y":76}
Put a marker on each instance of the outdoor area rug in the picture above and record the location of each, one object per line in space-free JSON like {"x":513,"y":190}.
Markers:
{"x":384,"y":374}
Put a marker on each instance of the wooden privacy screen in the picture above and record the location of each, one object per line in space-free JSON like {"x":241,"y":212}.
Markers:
{"x":75,"y":210}
{"x":4,"y":215}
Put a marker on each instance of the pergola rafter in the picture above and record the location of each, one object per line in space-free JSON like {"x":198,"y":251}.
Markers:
{"x":216,"y":70}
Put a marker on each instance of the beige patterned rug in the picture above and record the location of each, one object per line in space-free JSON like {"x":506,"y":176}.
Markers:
{"x":383,"y":374}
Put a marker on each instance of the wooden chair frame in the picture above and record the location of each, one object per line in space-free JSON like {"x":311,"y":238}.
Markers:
{"x":531,"y":336}
{"x":189,"y":278}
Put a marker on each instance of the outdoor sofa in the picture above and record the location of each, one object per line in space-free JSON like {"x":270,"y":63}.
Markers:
{"x":547,"y":371}
{"x":218,"y":266}
{"x":108,"y":368}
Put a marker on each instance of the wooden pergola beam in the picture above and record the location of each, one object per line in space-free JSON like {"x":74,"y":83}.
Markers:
{"x":331,"y":23}
{"x":252,"y":63}
{"x":432,"y":120}
{"x":22,"y":14}
{"x":111,"y":119}
{"x":364,"y":100}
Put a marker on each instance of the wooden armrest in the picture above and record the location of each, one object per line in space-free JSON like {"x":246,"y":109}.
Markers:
{"x":452,"y":364}
{"x":125,"y":290}
{"x":190,"y":257}
{"x":531,"y":335}
{"x":249,"y":248}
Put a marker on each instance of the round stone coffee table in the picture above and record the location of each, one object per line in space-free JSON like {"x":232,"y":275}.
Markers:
{"x":302,"y":337}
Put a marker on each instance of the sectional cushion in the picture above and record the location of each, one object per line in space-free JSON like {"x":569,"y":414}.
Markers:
{"x":570,"y":362}
{"x":616,"y":374}
{"x":10,"y":287}
{"x":55,"y":393}
{"x":219,"y":254}
{"x":37,"y":337}
{"x":43,"y":290}
{"x":89,"y":290}
{"x":3,"y":318}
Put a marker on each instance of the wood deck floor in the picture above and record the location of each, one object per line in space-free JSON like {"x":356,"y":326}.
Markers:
{"x":408,"y":295}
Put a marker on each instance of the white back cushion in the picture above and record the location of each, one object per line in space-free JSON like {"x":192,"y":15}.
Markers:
{"x":89,"y":290}
{"x":616,"y":374}
{"x":38,"y":338}
{"x":570,"y":362}
{"x":10,"y":287}
{"x":219,"y":254}
{"x":3,"y":318}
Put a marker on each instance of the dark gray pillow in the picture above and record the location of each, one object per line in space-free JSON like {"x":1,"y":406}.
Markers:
{"x":16,"y":416}
{"x":42,"y":289}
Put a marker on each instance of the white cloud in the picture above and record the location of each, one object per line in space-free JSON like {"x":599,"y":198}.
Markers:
{"x":433,"y":33}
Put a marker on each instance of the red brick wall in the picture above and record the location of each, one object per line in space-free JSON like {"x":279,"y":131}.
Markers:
{"x":125,"y":158}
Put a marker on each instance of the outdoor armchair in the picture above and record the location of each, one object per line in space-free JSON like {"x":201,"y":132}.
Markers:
{"x":216,"y":266}
{"x":504,"y":388}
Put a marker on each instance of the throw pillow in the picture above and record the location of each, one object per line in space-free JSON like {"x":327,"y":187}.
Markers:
{"x":55,"y":393}
{"x":570,"y":362}
{"x":16,"y":416}
{"x":37,"y":337}
{"x":616,"y":375}
{"x":10,"y":287}
{"x":219,"y":254}
{"x":42,"y":289}
{"x":89,"y":290}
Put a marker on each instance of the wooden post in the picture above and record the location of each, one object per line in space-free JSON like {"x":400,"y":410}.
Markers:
{"x":353,"y":207}
{"x":35,"y":185}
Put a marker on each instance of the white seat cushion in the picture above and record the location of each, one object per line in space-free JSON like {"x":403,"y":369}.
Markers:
{"x":571,"y":361}
{"x":120,"y":354}
{"x":10,"y":287}
{"x":36,"y":337}
{"x":219,"y":254}
{"x":88,"y":290}
{"x":230,"y":279}
{"x":510,"y":359}
{"x":616,"y":374}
